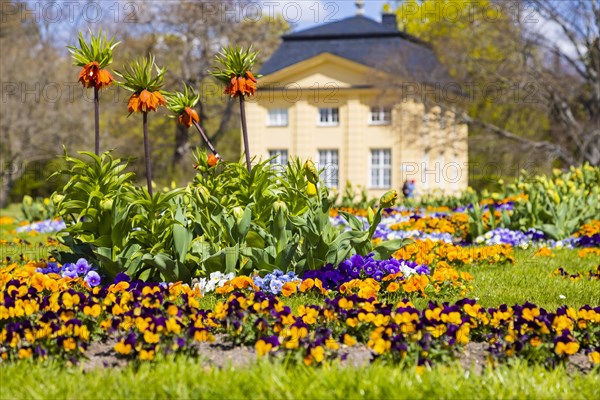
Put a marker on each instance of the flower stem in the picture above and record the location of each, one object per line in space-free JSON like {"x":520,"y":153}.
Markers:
{"x":97,"y":121}
{"x":206,"y":140}
{"x":245,"y":131}
{"x":147,"y":152}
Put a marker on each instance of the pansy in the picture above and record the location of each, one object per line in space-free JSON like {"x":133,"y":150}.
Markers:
{"x":82,"y":266}
{"x":69,"y":270}
{"x":92,"y":278}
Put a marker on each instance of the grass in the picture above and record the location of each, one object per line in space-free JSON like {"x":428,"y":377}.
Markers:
{"x":185,"y":378}
{"x":32,"y":245}
{"x":529,"y":279}
{"x":13,"y":210}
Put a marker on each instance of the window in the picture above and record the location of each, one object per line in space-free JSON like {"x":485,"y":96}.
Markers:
{"x":381,"y":169}
{"x":277,"y":117}
{"x":329,"y":116}
{"x":380,"y":116}
{"x":328,"y":162}
{"x":281,"y":159}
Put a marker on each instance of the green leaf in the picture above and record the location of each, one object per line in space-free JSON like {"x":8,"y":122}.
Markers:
{"x":385,"y":250}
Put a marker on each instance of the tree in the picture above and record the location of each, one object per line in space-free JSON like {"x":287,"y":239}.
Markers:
{"x":570,"y":86}
{"x":520,"y":85}
{"x":194,"y":32}
{"x":39,"y":109}
{"x":184,"y":36}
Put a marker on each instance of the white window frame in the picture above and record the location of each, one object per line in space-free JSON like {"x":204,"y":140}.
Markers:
{"x":379,"y":115}
{"x":329,"y":161}
{"x":333,"y":116}
{"x":277,"y":117}
{"x":378,"y":168}
{"x":281,"y":159}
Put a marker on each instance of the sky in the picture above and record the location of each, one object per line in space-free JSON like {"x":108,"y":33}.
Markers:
{"x":303,"y":14}
{"x":61,"y":18}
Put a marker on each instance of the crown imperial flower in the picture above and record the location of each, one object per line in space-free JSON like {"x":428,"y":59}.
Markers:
{"x":93,"y":58}
{"x":91,"y":76}
{"x":235,"y":71}
{"x":212,"y":160}
{"x":182,"y":105}
{"x":146,"y":88}
{"x":145,"y":101}
{"x":188,"y":117}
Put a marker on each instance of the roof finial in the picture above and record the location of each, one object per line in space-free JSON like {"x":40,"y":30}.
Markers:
{"x":360,"y":4}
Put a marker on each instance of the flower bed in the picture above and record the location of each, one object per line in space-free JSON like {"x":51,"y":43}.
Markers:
{"x":53,"y":316}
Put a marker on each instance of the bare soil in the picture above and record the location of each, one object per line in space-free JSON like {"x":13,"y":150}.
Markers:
{"x":221,"y":354}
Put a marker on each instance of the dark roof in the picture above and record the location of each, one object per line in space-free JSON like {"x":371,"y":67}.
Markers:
{"x":365,"y":41}
{"x":357,"y":25}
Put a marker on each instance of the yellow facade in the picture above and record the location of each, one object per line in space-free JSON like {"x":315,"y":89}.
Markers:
{"x":422,"y":144}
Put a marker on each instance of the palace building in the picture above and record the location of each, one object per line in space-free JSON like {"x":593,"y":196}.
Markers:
{"x":352,"y":95}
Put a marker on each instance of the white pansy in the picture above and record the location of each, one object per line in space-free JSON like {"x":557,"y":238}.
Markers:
{"x":215,"y":280}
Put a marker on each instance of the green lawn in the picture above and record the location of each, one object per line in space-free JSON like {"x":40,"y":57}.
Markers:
{"x":530,"y":279}
{"x":190,"y":379}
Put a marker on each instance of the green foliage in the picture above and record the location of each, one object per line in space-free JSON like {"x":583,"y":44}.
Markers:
{"x":234,"y":62}
{"x":37,"y":210}
{"x":119,"y":226}
{"x":477,"y":224}
{"x":230,"y":220}
{"x":558,"y":205}
{"x":99,"y":49}
{"x":354,"y":197}
{"x":287,"y":227}
{"x":178,"y":101}
{"x":451,"y":201}
{"x":138,"y":75}
{"x":443,"y":22}
{"x":92,"y":209}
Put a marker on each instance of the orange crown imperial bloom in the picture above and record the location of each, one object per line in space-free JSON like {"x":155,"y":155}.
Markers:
{"x":146,"y":101}
{"x":212,"y":160}
{"x":92,"y":76}
{"x":188,"y":117}
{"x":241,"y":85}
